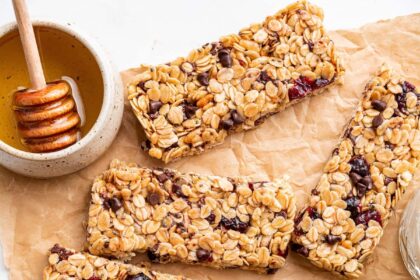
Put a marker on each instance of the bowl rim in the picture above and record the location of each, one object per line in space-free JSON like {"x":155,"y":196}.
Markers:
{"x":105,"y":68}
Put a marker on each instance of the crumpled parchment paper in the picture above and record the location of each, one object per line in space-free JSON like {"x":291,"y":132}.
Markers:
{"x":35,"y":214}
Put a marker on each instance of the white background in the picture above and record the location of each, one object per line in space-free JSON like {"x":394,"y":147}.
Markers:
{"x":157,"y":31}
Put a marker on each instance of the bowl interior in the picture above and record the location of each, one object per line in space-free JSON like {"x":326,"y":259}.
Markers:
{"x":64,"y":52}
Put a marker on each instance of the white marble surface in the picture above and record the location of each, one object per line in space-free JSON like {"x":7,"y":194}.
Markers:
{"x":140,"y":31}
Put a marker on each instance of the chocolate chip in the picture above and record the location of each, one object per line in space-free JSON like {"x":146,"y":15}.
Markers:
{"x":401,"y":100}
{"x":271,"y":270}
{"x":226,"y":124}
{"x":189,"y":110}
{"x":332,"y":239}
{"x":141,"y":85}
{"x":115,"y":204}
{"x":154,"y":106}
{"x":367,"y":181}
{"x":353,"y":205}
{"x":203,"y":78}
{"x":359,"y":165}
{"x":225,"y":58}
{"x":140,"y":276}
{"x":203,"y":255}
{"x":300,"y":250}
{"x":236,"y":117}
{"x":361,"y":190}
{"x":162,"y":178}
{"x":153,"y":198}
{"x":263,"y":77}
{"x":234,"y":224}
{"x":379,"y":105}
{"x":377,"y":121}
{"x":151,"y":254}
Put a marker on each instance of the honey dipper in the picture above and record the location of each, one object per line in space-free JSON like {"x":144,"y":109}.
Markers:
{"x":47,"y":114}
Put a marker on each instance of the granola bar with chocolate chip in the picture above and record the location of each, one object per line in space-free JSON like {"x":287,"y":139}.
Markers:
{"x":194,"y":102}
{"x":209,"y":220}
{"x":69,"y":264}
{"x":365,"y":177}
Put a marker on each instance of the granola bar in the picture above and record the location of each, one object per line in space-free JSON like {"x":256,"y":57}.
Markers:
{"x":363,"y":180}
{"x":195,"y":219}
{"x":69,"y":264}
{"x":194,"y":102}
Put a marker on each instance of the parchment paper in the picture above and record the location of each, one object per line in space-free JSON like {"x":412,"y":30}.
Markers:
{"x":35,"y":214}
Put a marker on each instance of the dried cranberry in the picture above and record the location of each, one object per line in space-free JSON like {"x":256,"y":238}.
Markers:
{"x":314,"y":192}
{"x":379,"y":105}
{"x":203,"y":255}
{"x":236,"y":117}
{"x":366,"y":216}
{"x":300,"y":89}
{"x":96,"y":278}
{"x":353,"y":205}
{"x":359,"y":165}
{"x":203,"y":78}
{"x":300,"y":250}
{"x":140,"y":276}
{"x":313,"y":214}
{"x":225,"y":58}
{"x":63,"y":254}
{"x":234,"y":224}
{"x":408,"y":87}
{"x":332,"y":239}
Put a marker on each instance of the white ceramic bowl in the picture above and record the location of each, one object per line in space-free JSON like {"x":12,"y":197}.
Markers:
{"x":95,"y":142}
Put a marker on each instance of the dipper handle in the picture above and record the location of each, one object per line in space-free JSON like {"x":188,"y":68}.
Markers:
{"x":29,"y":45}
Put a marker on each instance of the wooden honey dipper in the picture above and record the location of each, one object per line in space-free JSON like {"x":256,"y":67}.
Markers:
{"x":47,"y":115}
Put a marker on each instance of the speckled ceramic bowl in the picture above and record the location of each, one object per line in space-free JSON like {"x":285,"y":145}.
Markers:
{"x":95,"y":142}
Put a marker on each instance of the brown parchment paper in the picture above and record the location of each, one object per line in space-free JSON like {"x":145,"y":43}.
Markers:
{"x":35,"y":214}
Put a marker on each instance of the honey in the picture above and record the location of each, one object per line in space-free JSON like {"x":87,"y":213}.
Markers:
{"x":61,"y":55}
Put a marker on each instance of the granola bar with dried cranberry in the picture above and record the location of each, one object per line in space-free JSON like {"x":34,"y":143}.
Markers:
{"x":209,"y":220}
{"x":192,"y":104}
{"x":66,"y":263}
{"x":364,"y":179}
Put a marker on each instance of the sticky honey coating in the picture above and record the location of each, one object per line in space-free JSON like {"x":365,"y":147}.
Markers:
{"x":364,"y":179}
{"x":47,"y":118}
